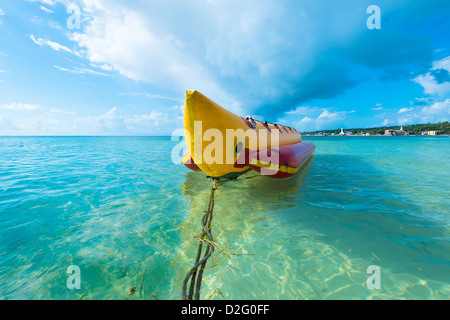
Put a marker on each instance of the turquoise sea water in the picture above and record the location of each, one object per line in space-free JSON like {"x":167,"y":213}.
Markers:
{"x":118,"y":208}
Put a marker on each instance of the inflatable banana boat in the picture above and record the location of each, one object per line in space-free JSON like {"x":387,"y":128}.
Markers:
{"x":223,"y":144}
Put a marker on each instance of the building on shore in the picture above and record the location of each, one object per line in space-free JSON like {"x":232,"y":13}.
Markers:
{"x":400,"y":132}
{"x":345,"y":133}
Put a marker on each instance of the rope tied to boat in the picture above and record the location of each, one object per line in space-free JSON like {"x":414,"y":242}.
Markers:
{"x":195,"y":275}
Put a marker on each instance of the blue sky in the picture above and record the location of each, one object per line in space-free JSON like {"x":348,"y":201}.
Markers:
{"x":310,"y":64}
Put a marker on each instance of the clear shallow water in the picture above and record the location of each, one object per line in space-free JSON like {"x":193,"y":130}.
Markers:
{"x":127,"y":216}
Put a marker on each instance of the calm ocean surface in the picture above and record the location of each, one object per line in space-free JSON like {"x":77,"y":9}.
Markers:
{"x":118,"y":208}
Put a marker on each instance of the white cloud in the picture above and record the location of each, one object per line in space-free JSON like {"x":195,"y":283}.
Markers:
{"x":238,"y":53}
{"x":81,"y":71}
{"x":105,"y":67}
{"x":150,"y":95}
{"x":179,"y":112}
{"x":6,"y":124}
{"x":57,"y":121}
{"x":328,"y":115}
{"x":131,"y":42}
{"x":20,"y":106}
{"x":55,"y":25}
{"x":429,"y":82}
{"x":402,"y":110}
{"x":110,"y":123}
{"x":47,"y":10}
{"x":306,"y":119}
{"x":116,"y":122}
{"x":54,"y":45}
{"x":2,"y":13}
{"x":39,"y":125}
{"x":436,"y":112}
{"x":442,"y":64}
{"x":56,"y":110}
{"x":154,"y":115}
{"x":325,"y":119}
{"x":49,"y":2}
{"x":377,"y":107}
{"x":427,"y":99}
{"x":142,"y":123}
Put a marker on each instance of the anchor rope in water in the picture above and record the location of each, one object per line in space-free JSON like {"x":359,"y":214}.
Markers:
{"x":196,"y":273}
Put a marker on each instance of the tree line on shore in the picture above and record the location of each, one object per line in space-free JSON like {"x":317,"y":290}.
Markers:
{"x":413,"y":129}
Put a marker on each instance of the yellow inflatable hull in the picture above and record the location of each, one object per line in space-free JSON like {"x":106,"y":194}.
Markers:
{"x":217,"y":138}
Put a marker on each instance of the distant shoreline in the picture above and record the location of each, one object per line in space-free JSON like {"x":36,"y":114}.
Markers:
{"x":375,"y":135}
{"x":428,"y":129}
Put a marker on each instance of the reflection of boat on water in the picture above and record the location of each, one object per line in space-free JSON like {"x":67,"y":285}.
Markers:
{"x":259,"y":189}
{"x":239,"y":144}
{"x":240,"y":203}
